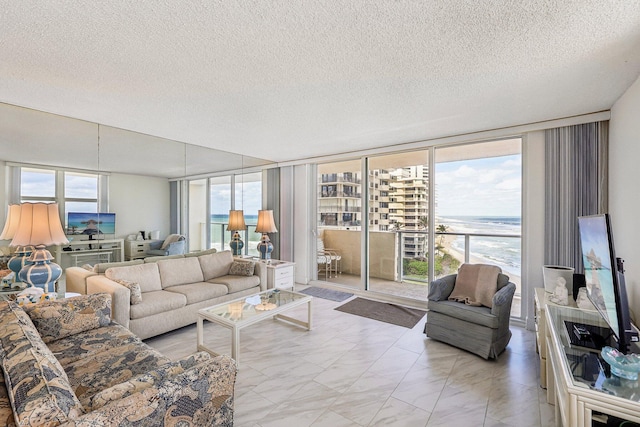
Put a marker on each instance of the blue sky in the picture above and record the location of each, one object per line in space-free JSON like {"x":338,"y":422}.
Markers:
{"x":483,"y":187}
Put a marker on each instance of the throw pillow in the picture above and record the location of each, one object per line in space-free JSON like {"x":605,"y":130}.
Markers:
{"x":134,"y":288}
{"x":242,"y":268}
{"x":62,"y":318}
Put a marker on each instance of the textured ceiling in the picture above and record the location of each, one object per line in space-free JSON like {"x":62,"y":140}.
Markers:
{"x":284,"y":80}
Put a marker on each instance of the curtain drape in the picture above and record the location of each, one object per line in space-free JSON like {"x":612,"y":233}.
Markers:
{"x":576,"y":184}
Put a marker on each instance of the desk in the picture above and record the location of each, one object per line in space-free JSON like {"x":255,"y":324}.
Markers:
{"x":577,"y":399}
{"x":90,"y":252}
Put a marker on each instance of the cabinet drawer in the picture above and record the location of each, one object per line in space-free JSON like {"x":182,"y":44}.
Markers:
{"x":283,"y":273}
{"x":285,"y":282}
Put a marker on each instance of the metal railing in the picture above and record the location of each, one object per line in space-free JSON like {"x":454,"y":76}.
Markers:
{"x":408,"y":238}
{"x":220,"y":238}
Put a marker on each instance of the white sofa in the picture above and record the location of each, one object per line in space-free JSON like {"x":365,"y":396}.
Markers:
{"x":173,"y":290}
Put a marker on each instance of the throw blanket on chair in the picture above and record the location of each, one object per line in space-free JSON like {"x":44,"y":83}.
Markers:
{"x":476,"y":284}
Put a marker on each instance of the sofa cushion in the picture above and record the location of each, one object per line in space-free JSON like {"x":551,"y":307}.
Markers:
{"x":157,"y":302}
{"x":200,"y":253}
{"x":86,"y":344}
{"x":478,"y":315}
{"x":112,"y":366}
{"x":61,"y":318}
{"x":215,"y":265}
{"x":39,"y":389}
{"x":144,"y":381}
{"x":242,"y":268}
{"x":101,"y":268}
{"x":179,"y":272}
{"x":200,"y":291}
{"x":158,"y":258}
{"x":134,"y":290}
{"x":146,"y":275}
{"x":237,"y":283}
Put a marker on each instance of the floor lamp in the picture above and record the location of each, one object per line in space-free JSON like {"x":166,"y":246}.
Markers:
{"x":40,"y":226}
{"x":266,"y":224}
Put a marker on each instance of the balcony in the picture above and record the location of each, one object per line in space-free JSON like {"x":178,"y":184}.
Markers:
{"x":397,"y":262}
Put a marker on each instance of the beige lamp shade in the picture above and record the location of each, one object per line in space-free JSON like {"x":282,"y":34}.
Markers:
{"x":11,"y":225}
{"x":39,"y":225}
{"x":266,"y":224}
{"x":236,"y":221}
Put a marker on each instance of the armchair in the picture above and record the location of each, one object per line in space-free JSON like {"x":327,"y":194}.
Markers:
{"x":477,"y":329}
{"x":174,"y":244}
{"x":328,"y":260}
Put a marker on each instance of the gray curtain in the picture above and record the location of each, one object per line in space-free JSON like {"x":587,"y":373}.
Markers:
{"x":576,"y":170}
{"x":272,"y":198}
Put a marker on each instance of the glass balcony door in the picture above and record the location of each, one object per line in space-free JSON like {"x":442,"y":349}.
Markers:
{"x":339,"y":223}
{"x":398,"y":220}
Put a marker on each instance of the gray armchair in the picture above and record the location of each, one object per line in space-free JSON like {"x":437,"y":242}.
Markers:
{"x":480,"y":330}
{"x":174,"y":244}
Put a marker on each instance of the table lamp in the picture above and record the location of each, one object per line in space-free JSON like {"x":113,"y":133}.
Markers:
{"x":40,"y":226}
{"x":236,"y":223}
{"x":21,"y":254}
{"x":266,"y":224}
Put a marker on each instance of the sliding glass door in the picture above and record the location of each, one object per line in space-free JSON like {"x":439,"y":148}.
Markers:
{"x":479,"y":208}
{"x":339,"y":223}
{"x":398,"y":235}
{"x":423,"y":214}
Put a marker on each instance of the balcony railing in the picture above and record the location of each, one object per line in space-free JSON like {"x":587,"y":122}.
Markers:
{"x":220,"y":238}
{"x":387,"y":251}
{"x":339,"y":194}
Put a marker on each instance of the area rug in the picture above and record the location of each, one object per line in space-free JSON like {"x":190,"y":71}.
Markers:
{"x":329,"y":294}
{"x":384,"y":312}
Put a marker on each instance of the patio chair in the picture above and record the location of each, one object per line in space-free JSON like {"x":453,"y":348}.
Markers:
{"x":328,"y":260}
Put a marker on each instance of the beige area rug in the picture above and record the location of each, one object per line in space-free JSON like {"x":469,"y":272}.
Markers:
{"x":384,"y":312}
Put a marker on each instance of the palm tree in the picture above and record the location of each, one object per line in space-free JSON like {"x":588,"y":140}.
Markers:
{"x":442,"y":229}
{"x":396,"y":226}
{"x":423,"y":222}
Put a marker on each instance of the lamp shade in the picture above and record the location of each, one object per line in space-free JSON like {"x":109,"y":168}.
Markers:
{"x":236,"y":221}
{"x":11,"y":225}
{"x":266,"y":224}
{"x":39,"y":225}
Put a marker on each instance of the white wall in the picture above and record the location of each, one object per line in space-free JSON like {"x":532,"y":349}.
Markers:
{"x":140,"y":203}
{"x":624,"y":196}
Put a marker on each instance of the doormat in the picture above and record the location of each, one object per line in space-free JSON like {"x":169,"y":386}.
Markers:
{"x":384,"y":312}
{"x":329,"y":294}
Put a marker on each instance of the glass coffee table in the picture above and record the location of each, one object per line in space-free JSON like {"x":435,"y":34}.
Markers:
{"x":239,"y":313}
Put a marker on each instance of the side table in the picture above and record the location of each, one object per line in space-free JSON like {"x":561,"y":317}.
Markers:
{"x":281,"y":274}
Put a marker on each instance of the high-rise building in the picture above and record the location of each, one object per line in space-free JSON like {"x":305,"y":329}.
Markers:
{"x":397,"y":201}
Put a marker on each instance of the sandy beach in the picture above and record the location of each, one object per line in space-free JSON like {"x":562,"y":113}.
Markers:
{"x":447,"y":246}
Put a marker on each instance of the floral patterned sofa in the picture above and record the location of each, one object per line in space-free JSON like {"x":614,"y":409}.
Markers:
{"x":65,"y":363}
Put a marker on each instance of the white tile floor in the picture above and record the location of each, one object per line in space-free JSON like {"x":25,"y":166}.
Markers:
{"x":353,"y":371}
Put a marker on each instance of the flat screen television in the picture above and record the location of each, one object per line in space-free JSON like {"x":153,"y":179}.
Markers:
{"x":91,"y":224}
{"x":604,"y":276}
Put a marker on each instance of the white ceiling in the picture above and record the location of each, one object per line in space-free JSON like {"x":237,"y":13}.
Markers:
{"x":285,"y":80}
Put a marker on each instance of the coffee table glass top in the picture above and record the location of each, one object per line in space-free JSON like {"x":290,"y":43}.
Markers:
{"x":243,"y":309}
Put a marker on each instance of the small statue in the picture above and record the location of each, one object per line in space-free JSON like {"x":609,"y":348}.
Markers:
{"x":560,"y":294}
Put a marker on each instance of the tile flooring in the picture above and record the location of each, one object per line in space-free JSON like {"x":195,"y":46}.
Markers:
{"x":353,"y":371}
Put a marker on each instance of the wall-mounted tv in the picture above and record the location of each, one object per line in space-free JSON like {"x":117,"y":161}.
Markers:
{"x":91,"y":224}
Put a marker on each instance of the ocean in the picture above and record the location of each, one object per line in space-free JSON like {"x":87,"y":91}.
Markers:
{"x":503,"y":251}
{"x":220,"y":235}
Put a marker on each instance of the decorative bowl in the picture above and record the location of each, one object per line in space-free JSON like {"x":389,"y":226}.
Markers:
{"x":623,"y":366}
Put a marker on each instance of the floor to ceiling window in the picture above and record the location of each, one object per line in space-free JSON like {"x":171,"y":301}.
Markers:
{"x":211,"y":199}
{"x":479,"y":207}
{"x":339,"y":222}
{"x":398,"y":206}
{"x":474,"y":191}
